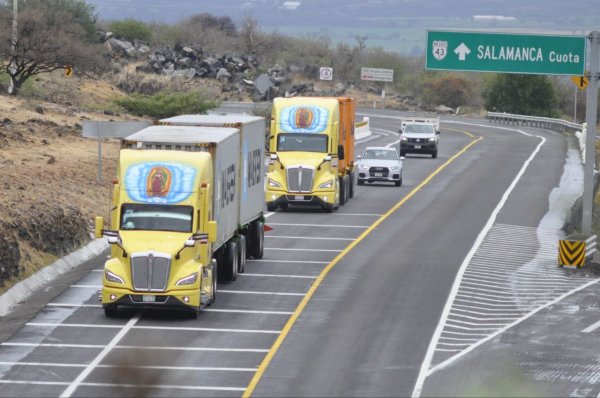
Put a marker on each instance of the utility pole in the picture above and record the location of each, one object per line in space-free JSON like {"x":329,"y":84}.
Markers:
{"x":590,"y":137}
{"x":13,"y":66}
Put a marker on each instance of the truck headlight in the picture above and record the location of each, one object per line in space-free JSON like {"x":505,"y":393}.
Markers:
{"x":403,"y":138}
{"x":273,"y":183}
{"x":188,"y":280}
{"x":327,"y":184}
{"x":112,"y":277}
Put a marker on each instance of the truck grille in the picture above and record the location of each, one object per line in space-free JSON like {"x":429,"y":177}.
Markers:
{"x":150,"y":271}
{"x":300,"y":178}
{"x":384,"y":171}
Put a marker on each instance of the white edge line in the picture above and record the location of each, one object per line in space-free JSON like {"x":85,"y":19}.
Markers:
{"x":591,"y":328}
{"x":423,"y":373}
{"x":203,"y":310}
{"x":86,"y":372}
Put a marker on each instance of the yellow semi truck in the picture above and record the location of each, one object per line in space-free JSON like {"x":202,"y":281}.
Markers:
{"x":181,"y":214}
{"x":311,"y":152}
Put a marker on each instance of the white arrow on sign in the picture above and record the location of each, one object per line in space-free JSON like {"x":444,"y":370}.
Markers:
{"x":462,"y":50}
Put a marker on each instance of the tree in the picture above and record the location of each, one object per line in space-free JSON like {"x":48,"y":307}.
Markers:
{"x":450,"y":90}
{"x":131,"y":30}
{"x":51,"y":35}
{"x":533,"y":95}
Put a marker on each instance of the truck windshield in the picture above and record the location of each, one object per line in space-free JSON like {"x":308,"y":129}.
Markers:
{"x":419,"y":128}
{"x":148,"y":217}
{"x":302,"y":142}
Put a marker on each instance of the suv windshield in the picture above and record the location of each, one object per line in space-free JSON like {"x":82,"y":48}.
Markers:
{"x":419,"y":128}
{"x":137,"y":217}
{"x":302,"y":142}
{"x":380,"y":154}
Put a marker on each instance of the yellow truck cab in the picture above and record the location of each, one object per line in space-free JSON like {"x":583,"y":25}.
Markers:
{"x":311,"y":158}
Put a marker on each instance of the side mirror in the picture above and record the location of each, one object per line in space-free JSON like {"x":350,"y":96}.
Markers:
{"x":402,"y":158}
{"x":327,"y":158}
{"x":341,"y":152}
{"x":98,"y":227}
{"x":212,"y":231}
{"x":189,"y":243}
{"x":437,"y":131}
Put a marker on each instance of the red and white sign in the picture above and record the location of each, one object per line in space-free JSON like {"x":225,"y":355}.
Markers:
{"x":378,"y":75}
{"x":326,"y":73}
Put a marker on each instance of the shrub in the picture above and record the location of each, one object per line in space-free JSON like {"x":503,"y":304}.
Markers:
{"x":166,"y":104}
{"x":131,"y":30}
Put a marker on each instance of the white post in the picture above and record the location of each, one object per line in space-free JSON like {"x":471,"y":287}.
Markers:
{"x":590,"y":140}
{"x":575,"y":106}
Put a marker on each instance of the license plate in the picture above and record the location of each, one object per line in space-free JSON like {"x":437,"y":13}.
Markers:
{"x":417,"y":146}
{"x":378,"y":174}
{"x":299,"y":197}
{"x":149,"y":299}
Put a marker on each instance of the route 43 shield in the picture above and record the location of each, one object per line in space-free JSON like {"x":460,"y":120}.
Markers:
{"x":440,"y":49}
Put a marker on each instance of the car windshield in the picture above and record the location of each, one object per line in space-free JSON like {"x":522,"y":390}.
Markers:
{"x":419,"y":128}
{"x":302,"y":142}
{"x":382,"y":154}
{"x":147,"y":217}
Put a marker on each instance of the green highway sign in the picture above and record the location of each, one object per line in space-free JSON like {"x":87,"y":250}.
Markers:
{"x":508,"y":53}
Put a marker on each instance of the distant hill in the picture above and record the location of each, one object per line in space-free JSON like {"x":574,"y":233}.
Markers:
{"x":393,"y":24}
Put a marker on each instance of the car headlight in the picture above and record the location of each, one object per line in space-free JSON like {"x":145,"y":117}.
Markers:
{"x":112,"y":277}
{"x":432,"y":139}
{"x":363,"y":166}
{"x":327,"y":184}
{"x":395,"y":168}
{"x":273,"y":183}
{"x":403,"y":138}
{"x":188,"y":280}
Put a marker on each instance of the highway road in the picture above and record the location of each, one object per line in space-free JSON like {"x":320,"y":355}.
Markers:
{"x":447,"y":285}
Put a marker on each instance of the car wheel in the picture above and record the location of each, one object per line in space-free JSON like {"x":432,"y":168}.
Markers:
{"x":402,"y":153}
{"x":361,"y":182}
{"x":434,"y":154}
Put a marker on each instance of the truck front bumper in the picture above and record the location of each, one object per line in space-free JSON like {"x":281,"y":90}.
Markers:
{"x":180,"y":299}
{"x":309,"y":199}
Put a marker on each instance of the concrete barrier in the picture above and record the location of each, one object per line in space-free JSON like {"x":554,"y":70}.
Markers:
{"x":362,"y":129}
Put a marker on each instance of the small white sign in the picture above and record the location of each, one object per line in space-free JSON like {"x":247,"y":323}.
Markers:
{"x":440,"y":49}
{"x":375,"y":74}
{"x":326,"y":73}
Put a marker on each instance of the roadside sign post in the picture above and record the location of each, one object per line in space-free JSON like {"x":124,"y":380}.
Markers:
{"x":378,"y":75}
{"x":590,"y":135}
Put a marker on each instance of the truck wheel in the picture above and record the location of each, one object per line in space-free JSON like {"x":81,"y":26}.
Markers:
{"x":229,"y":263}
{"x":327,"y":208}
{"x":257,"y":239}
{"x":241,"y":253}
{"x":110,"y":311}
{"x":283,"y":206}
{"x":342,"y":186}
{"x":271,"y":206}
{"x":351,"y":186}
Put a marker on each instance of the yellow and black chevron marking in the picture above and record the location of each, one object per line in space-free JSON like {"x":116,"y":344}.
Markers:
{"x":571,"y":252}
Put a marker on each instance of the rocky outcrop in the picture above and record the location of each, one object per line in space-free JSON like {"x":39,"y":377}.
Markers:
{"x":53,"y":229}
{"x":10,"y":257}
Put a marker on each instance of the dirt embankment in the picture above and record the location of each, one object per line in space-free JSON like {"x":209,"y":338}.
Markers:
{"x":50,"y":190}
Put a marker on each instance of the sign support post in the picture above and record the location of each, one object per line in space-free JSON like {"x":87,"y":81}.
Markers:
{"x":590,"y":136}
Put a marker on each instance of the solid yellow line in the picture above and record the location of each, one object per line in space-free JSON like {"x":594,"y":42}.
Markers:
{"x":288,"y":326}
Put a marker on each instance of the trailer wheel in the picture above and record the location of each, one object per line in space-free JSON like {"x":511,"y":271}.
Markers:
{"x":241,"y":253}
{"x":229,"y":263}
{"x":110,"y":311}
{"x":257,"y":239}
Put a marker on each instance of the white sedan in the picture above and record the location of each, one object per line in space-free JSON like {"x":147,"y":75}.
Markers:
{"x":380,"y":164}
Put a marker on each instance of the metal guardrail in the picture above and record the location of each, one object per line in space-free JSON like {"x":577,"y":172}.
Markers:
{"x":534,"y":121}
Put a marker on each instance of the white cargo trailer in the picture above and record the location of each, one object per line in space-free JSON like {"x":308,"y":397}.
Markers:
{"x":237,"y":197}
